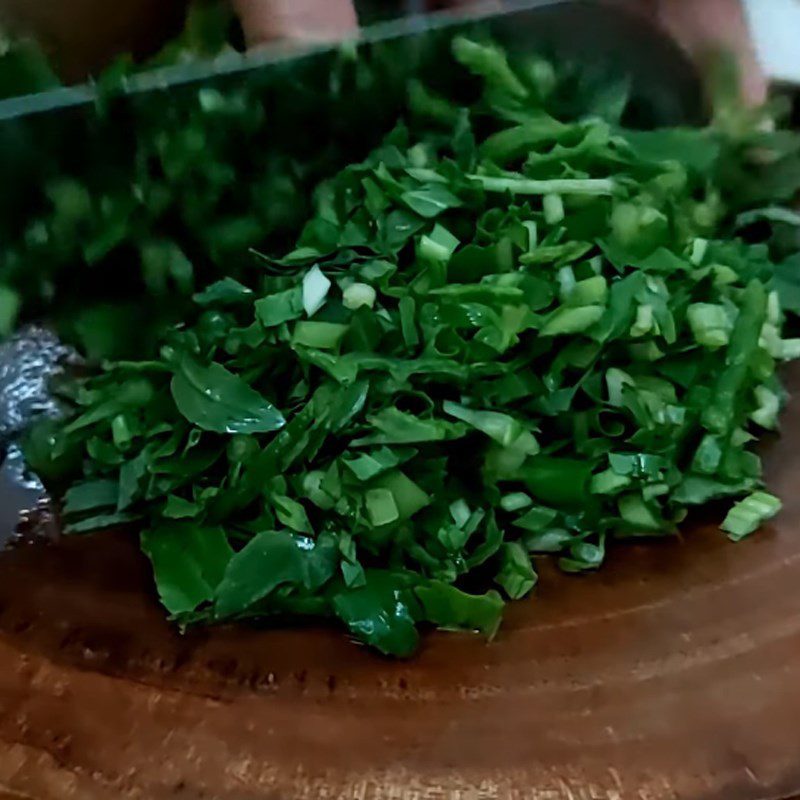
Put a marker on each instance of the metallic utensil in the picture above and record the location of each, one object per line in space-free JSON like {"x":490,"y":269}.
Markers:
{"x":592,"y":32}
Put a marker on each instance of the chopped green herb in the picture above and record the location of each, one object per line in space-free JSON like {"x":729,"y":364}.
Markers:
{"x":502,"y":333}
{"x":748,"y":514}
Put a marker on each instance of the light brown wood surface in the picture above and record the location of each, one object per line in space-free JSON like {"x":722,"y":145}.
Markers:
{"x":672,"y":674}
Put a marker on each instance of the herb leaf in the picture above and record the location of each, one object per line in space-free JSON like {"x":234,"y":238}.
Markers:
{"x":188,"y":563}
{"x":216,"y":400}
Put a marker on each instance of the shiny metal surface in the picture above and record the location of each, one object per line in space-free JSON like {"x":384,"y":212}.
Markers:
{"x":28,"y":362}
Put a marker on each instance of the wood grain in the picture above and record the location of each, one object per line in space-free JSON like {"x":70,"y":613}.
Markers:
{"x":672,"y":674}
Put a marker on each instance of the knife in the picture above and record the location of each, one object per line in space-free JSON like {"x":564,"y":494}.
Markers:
{"x":599,"y":34}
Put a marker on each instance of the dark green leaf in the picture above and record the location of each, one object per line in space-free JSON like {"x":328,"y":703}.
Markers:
{"x":517,"y":575}
{"x":272,"y":559}
{"x":216,"y":400}
{"x":279,"y":308}
{"x":188,"y":563}
{"x":225,"y":292}
{"x":450,"y":608}
{"x":89,"y":496}
{"x":430,"y":201}
{"x":378,"y":614}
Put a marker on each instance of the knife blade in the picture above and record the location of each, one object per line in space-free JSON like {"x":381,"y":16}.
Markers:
{"x":593,"y":32}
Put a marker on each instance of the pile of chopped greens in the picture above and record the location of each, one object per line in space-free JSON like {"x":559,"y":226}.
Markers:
{"x":501,"y":336}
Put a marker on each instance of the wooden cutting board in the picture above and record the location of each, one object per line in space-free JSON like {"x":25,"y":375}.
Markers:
{"x":672,"y":674}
